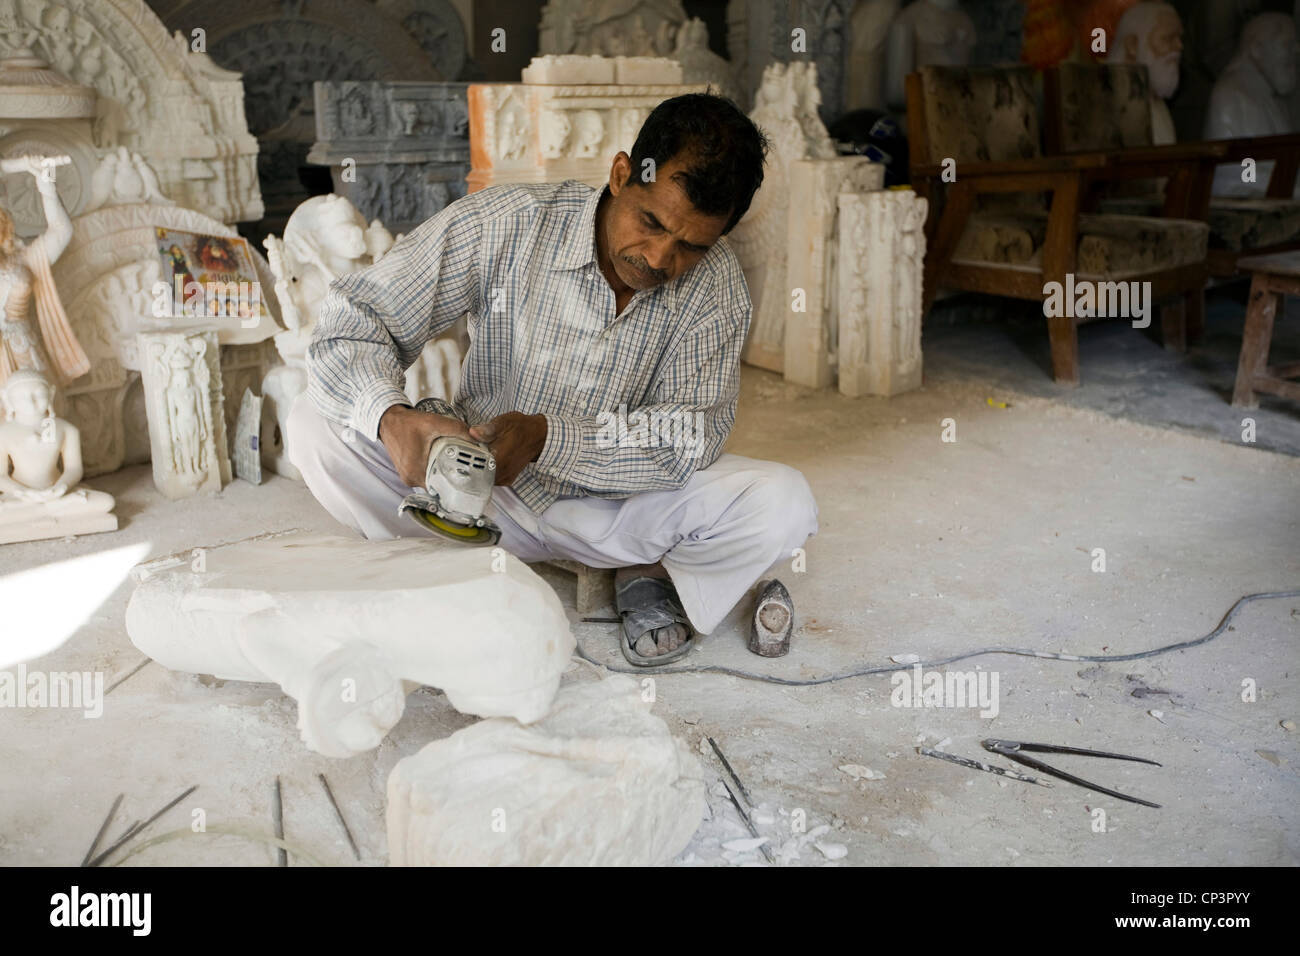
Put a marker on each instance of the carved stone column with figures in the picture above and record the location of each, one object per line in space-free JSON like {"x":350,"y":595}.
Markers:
{"x":881,"y":252}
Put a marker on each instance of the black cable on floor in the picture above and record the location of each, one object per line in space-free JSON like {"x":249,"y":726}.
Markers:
{"x":893,"y":667}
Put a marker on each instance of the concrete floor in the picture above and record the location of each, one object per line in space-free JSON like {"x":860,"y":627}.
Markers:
{"x":926,"y":548}
{"x":1124,"y":372}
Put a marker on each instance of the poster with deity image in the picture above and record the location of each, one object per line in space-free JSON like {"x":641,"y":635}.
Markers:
{"x":210,"y":276}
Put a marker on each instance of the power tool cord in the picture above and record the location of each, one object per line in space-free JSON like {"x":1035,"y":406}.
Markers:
{"x":894,"y":667}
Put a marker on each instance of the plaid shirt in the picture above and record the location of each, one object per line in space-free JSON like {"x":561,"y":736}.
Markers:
{"x":520,"y":263}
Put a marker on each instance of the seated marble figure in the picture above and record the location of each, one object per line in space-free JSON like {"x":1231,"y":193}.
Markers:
{"x":40,"y":468}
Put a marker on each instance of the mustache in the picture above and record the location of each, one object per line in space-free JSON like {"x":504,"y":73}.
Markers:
{"x":644,"y":267}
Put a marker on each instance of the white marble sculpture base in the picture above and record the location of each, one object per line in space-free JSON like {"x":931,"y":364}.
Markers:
{"x":39,"y":529}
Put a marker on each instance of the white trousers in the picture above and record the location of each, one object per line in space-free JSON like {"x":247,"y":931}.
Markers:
{"x":716,"y":536}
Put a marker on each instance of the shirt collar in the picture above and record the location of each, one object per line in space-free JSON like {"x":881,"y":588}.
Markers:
{"x":578,"y":244}
{"x":578,"y":249}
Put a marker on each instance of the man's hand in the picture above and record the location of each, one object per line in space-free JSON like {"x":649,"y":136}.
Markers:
{"x":408,"y":435}
{"x":515,"y":439}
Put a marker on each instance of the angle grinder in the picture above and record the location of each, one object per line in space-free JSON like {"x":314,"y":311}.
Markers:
{"x":458,"y":484}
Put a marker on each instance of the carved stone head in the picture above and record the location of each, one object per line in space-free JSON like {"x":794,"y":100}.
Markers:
{"x":1151,"y":33}
{"x":28,"y":397}
{"x":329,"y":228}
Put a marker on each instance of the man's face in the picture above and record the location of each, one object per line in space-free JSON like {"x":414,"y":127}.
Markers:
{"x":652,"y":234}
{"x":1164,"y":50}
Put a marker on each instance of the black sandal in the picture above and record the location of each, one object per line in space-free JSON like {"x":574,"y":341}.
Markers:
{"x":646,"y":604}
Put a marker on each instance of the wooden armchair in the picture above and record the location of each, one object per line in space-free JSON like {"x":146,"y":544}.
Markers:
{"x":977,"y":157}
{"x":1090,"y":107}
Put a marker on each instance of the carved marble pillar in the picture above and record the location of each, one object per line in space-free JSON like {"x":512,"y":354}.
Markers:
{"x":811,"y":264}
{"x":398,"y":151}
{"x":881,"y":254}
{"x":786,"y":110}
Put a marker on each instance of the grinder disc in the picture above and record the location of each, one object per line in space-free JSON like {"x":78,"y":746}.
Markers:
{"x":474,"y":534}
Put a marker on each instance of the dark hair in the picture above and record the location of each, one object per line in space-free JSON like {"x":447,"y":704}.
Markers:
{"x":723,"y":152}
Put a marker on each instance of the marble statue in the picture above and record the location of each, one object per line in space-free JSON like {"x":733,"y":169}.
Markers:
{"x":785,"y":108}
{"x":326,"y":237}
{"x":881,"y":269}
{"x":347,"y":627}
{"x":868,"y":39}
{"x":926,"y":33}
{"x":1253,"y":97}
{"x":186,"y":409}
{"x":40,"y":468}
{"x":699,"y":63}
{"x":25,"y":275}
{"x":1151,"y":33}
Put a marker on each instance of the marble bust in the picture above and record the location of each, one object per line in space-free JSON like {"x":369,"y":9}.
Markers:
{"x":1253,"y":97}
{"x":40,"y":468}
{"x":926,"y":33}
{"x":1151,"y":33}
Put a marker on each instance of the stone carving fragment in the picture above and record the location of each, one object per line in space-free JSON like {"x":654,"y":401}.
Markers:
{"x":598,"y":781}
{"x":248,"y":454}
{"x":346,"y":627}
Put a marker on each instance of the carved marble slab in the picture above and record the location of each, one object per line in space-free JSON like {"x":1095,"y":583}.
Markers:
{"x":187,"y":420}
{"x":812,"y":266}
{"x":522,"y":133}
{"x":879,"y":300}
{"x":398,"y":151}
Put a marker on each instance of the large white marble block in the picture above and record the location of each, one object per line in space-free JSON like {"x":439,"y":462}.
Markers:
{"x":599,"y":781}
{"x":341,"y":624}
{"x":881,"y":266}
